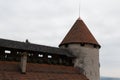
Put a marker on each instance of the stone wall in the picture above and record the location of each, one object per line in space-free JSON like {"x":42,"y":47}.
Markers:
{"x":87,"y":60}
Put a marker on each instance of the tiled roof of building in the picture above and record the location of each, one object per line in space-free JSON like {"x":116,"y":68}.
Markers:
{"x":10,"y":71}
{"x":79,"y":33}
{"x":10,"y":44}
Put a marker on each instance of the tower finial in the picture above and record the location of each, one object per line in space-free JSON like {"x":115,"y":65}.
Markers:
{"x":79,"y":6}
{"x":79,"y":18}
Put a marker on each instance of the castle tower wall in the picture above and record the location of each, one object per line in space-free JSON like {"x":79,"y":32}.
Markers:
{"x":87,"y":60}
{"x":82,"y":44}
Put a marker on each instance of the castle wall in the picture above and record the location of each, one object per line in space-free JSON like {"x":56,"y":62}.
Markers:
{"x":87,"y":60}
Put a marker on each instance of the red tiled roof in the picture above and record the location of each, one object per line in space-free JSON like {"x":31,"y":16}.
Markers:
{"x":11,"y":71}
{"x":79,"y":33}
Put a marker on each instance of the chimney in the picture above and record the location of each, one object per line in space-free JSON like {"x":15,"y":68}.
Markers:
{"x":23,"y":62}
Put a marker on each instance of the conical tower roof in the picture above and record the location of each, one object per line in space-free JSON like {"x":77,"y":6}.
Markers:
{"x":79,"y":33}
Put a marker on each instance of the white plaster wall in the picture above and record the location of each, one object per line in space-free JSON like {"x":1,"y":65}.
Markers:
{"x":87,"y":60}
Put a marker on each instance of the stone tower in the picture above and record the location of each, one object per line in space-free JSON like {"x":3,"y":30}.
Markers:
{"x":84,"y":46}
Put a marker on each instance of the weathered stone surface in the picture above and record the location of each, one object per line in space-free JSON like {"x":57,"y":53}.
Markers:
{"x":87,"y":60}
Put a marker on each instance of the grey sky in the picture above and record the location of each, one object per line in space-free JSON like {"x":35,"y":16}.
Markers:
{"x":46,"y":22}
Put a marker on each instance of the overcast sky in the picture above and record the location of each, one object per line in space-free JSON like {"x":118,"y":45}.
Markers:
{"x":46,"y":22}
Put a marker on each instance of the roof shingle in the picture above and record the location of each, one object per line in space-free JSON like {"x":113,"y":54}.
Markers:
{"x":10,"y":71}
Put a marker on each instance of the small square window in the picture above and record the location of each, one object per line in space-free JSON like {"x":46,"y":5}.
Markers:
{"x":49,"y":56}
{"x":7,"y":51}
{"x":40,"y":55}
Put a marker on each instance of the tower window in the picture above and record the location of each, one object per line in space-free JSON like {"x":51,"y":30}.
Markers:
{"x":82,"y":44}
{"x":95,"y":46}
{"x":66,"y":45}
